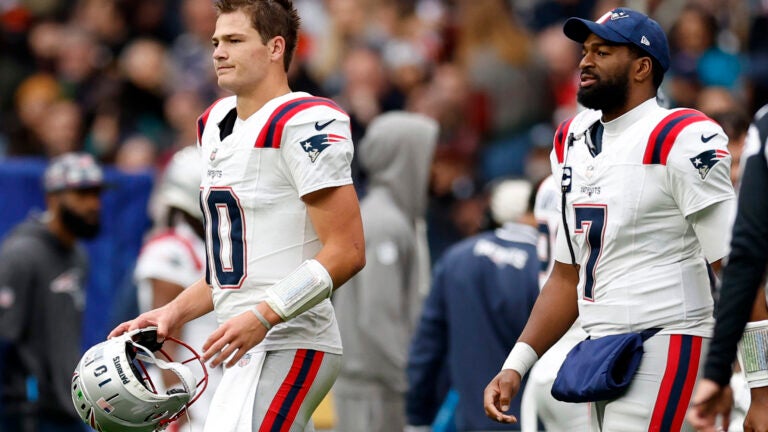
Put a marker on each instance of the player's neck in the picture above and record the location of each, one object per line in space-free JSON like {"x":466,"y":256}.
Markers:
{"x":635,"y":99}
{"x":251,"y":101}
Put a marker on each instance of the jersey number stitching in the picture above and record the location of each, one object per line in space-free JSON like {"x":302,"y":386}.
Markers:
{"x":590,"y":220}
{"x":225,"y":232}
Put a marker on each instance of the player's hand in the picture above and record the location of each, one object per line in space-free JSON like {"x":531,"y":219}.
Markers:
{"x":498,"y":394}
{"x":164,"y":318}
{"x":757,"y":415}
{"x":236,"y":336}
{"x":709,"y":402}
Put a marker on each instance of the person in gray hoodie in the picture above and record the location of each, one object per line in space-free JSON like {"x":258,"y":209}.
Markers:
{"x":43,"y":272}
{"x":379,"y":311}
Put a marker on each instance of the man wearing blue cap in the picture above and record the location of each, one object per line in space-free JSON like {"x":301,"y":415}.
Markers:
{"x":646,"y":194}
{"x":42,"y":298}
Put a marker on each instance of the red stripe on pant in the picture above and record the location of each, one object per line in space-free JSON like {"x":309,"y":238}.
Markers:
{"x":300,"y":375}
{"x":675,"y":390}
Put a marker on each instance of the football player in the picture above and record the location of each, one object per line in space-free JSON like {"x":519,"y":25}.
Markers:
{"x":282,"y":226}
{"x":646,"y":194}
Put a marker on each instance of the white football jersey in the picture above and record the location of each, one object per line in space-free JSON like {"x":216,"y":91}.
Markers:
{"x":258,"y":230}
{"x":641,"y":263}
{"x":546,"y":210}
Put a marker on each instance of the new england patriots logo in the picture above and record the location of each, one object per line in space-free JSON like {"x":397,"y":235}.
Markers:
{"x":315,"y":145}
{"x":705,"y":160}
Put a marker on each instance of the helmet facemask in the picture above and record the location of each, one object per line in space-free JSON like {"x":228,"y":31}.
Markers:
{"x":113,"y":391}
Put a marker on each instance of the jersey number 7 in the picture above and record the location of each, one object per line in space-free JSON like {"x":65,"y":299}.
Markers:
{"x":590,"y":220}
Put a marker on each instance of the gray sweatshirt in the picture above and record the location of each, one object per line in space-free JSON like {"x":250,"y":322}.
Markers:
{"x":378,"y":309}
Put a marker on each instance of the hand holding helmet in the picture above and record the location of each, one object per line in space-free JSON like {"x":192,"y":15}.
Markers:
{"x":112,"y":390}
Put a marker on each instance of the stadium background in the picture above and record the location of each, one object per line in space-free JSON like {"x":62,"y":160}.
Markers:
{"x":125,"y":80}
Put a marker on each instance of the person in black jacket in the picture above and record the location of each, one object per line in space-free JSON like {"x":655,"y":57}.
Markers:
{"x":742,"y":290}
{"x":42,"y":298}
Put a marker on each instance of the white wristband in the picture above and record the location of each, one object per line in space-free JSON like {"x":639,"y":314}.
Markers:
{"x":298,"y":292}
{"x":521,"y":358}
{"x":753,"y":354}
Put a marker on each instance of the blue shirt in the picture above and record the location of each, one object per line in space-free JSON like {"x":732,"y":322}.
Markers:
{"x":482,"y":293}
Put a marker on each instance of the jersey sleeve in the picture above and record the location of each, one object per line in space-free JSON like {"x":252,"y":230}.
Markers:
{"x":167,"y":260}
{"x":317,"y":149}
{"x":699,"y":167}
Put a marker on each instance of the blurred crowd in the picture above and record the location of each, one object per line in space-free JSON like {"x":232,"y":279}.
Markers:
{"x":125,"y":80}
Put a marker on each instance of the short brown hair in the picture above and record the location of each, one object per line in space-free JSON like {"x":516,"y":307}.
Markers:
{"x":270,"y":18}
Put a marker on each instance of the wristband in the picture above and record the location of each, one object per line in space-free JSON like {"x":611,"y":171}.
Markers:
{"x":521,"y":358}
{"x":255,"y":310}
{"x":301,"y":290}
{"x":753,"y":353}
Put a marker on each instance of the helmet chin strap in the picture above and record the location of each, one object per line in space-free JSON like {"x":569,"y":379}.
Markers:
{"x":184,"y":374}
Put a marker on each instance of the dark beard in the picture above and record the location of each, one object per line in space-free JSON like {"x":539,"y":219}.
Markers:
{"x":606,"y":95}
{"x":78,"y":225}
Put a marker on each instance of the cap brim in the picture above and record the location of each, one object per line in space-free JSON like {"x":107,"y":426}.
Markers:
{"x":579,"y":29}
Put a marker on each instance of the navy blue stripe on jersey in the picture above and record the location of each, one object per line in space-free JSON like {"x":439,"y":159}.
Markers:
{"x":203,"y":120}
{"x":272,"y":133}
{"x":665,"y":133}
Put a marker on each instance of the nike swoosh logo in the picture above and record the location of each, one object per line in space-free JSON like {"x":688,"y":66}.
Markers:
{"x":703,"y":138}
{"x":320,"y":127}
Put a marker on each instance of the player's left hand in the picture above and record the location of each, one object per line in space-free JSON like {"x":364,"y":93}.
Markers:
{"x":709,"y":401}
{"x":233,"y":339}
{"x":757,"y":416}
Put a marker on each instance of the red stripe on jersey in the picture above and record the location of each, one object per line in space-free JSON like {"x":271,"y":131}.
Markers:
{"x":721,"y":153}
{"x":665,"y":133}
{"x":203,"y":120}
{"x":271,"y":134}
{"x":560,"y":139}
{"x":185,"y":242}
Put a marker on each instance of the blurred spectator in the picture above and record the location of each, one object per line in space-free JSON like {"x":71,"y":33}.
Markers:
{"x":32,"y":99}
{"x":191,"y":51}
{"x":378,"y":310}
{"x":146,"y":70}
{"x":561,"y":58}
{"x":61,"y":128}
{"x":499,"y":57}
{"x":482,"y":292}
{"x":697,"y":59}
{"x":712,"y":100}
{"x":42,"y":299}
{"x":136,"y":154}
{"x":735,"y":123}
{"x":366,"y":90}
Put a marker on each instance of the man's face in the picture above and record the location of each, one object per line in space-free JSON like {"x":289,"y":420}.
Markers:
{"x":239,"y":57}
{"x":80,"y":211}
{"x":604,"y":75}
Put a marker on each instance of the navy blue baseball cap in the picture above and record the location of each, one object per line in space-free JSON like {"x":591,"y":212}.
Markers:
{"x":624,"y":26}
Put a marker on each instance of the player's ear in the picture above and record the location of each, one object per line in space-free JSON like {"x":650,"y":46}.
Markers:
{"x":643,"y":68}
{"x":276,"y":47}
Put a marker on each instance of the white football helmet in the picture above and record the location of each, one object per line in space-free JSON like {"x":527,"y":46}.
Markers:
{"x":180,"y":183}
{"x":112,"y":391}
